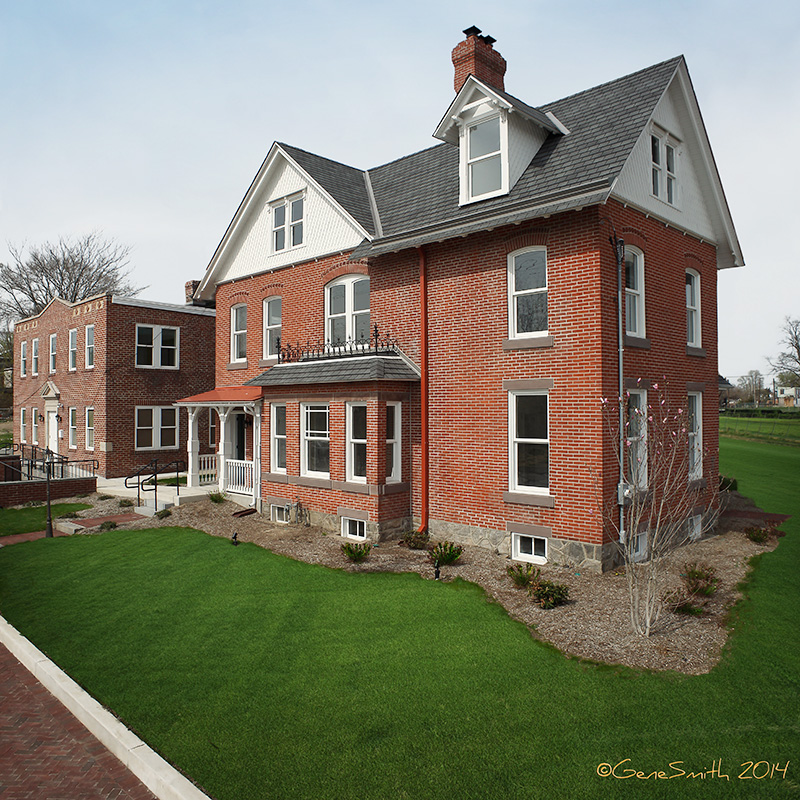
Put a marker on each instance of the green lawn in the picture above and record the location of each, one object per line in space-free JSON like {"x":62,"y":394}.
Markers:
{"x":25,"y":520}
{"x":781,"y":430}
{"x":261,"y":677}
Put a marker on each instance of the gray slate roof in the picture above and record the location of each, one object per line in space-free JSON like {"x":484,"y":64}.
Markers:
{"x":349,"y":369}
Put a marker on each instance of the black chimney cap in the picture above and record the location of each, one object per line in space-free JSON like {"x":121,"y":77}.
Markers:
{"x":472,"y":31}
{"x":490,"y":40}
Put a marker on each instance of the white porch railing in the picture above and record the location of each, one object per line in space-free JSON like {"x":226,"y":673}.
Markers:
{"x":208,"y":469}
{"x":239,"y":476}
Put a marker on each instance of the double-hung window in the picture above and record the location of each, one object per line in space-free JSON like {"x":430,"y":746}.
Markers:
{"x":90,"y":428}
{"x":287,"y":223}
{"x":35,"y":357}
{"x":90,"y":347}
{"x":156,"y":347}
{"x":393,"y":443}
{"x":356,"y":461}
{"x":272,"y":326}
{"x":52,"y":353}
{"x":73,"y":350}
{"x":695,"y":434}
{"x":484,"y":159}
{"x":347,"y":310}
{"x":634,"y":292}
{"x":23,"y":359}
{"x":23,"y":424}
{"x":73,"y":428}
{"x":315,"y":440}
{"x":35,"y":426}
{"x":156,"y":428}
{"x":277,"y":443}
{"x":636,"y":437}
{"x":529,"y":442}
{"x":664,"y":167}
{"x":527,"y":292}
{"x":239,"y":333}
{"x":212,"y":427}
{"x":693,"y":338}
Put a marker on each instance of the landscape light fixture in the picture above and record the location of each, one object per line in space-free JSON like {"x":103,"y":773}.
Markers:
{"x":235,"y":538}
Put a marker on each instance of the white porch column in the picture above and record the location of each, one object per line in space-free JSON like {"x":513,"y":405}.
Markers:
{"x":193,"y":449}
{"x":257,"y":455}
{"x":225,"y":445}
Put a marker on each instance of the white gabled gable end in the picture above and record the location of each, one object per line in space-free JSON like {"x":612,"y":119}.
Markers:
{"x":285,"y":218}
{"x":496,"y":136}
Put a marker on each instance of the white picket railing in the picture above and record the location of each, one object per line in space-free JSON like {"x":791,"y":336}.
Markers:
{"x":239,"y":476}
{"x":208,"y":469}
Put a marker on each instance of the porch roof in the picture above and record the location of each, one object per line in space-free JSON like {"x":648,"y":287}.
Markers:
{"x":222,"y":395}
{"x":348,"y":369}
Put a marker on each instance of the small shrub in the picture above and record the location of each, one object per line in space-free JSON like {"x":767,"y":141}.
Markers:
{"x":126,"y":502}
{"x":523,"y":576}
{"x":416,"y":540}
{"x":163,"y":514}
{"x":356,"y":551}
{"x":216,"y":497}
{"x":700,"y":579}
{"x":727,"y":484}
{"x":68,"y":515}
{"x":108,"y":525}
{"x":548,"y":594}
{"x":681,"y":602}
{"x":105,"y":497}
{"x":445,"y":553}
{"x":757,"y":535}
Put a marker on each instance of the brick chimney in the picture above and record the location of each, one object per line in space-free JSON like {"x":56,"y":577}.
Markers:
{"x":476,"y":56}
{"x":190,"y":288}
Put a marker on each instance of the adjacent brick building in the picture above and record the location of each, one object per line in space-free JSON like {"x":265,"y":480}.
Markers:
{"x":97,"y":379}
{"x":427,"y":342}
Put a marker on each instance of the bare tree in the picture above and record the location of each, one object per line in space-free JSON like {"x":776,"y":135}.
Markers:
{"x":752,"y":387}
{"x":788,"y":361}
{"x":72,"y":269}
{"x":663,"y":502}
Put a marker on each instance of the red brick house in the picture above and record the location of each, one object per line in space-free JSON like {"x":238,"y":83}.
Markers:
{"x":427,"y":343}
{"x":97,"y":379}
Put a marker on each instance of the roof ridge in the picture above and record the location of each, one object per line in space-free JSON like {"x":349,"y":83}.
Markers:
{"x":317,"y":155}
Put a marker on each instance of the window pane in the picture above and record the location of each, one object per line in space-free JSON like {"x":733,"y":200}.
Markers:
{"x":336,"y":299}
{"x":532,"y":465}
{"x":169,"y":337}
{"x":484,"y":138}
{"x":631,"y":271}
{"x":526,"y":545}
{"x":297,"y":210}
{"x":280,"y":239}
{"x":280,"y":446}
{"x":532,"y":312}
{"x":144,"y":418}
{"x":280,"y":217}
{"x":390,"y":460}
{"x":317,"y":420}
{"x":360,"y":460}
{"x":631,"y":317}
{"x":280,"y":420}
{"x":272,"y":341}
{"x":532,"y":416}
{"x":539,"y":547}
{"x":144,"y":336}
{"x":318,"y":456}
{"x":530,"y":270}
{"x":90,"y":417}
{"x":670,"y":159}
{"x":358,"y":422}
{"x":168,"y":437}
{"x":486,"y":176}
{"x":656,"y":177}
{"x":390,"y":422}
{"x":240,"y":348}
{"x":168,"y":417}
{"x":240,"y":318}
{"x":655,"y":149}
{"x":297,"y":234}
{"x":337,"y":330}
{"x":362,"y":327}
{"x":274,"y":312}
{"x":361,"y":295}
{"x":690,"y":325}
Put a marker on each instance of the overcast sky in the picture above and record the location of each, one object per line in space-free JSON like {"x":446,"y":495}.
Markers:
{"x":148,"y":119}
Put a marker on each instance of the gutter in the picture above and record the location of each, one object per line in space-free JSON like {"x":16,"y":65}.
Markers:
{"x":423,"y":388}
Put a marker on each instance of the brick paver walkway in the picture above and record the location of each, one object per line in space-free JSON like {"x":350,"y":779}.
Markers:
{"x":84,"y":523}
{"x":46,"y":754}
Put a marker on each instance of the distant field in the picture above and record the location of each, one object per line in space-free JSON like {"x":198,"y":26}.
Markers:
{"x":778,"y":430}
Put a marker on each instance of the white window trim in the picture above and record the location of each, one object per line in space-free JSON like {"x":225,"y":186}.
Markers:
{"x":23,"y":424}
{"x":34,"y":426}
{"x":72,"y":352}
{"x":517,"y":555}
{"x":88,"y":362}
{"x":396,"y":475}
{"x":696,"y":339}
{"x":513,"y":484}
{"x":286,"y":202}
{"x":236,"y":333}
{"x":274,"y":438}
{"x":351,"y":443}
{"x":212,"y":427}
{"x":53,"y":347}
{"x":640,"y":546}
{"x":279,"y":514}
{"x":666,"y":177}
{"x":640,"y":442}
{"x":361,"y":524}
{"x":35,"y":357}
{"x":350,"y":313}
{"x":73,"y":428}
{"x":266,"y":327}
{"x":466,"y":196}
{"x":695,"y":435}
{"x":157,"y":428}
{"x":513,"y":294}
{"x":89,"y":428}
{"x":305,"y":439}
{"x":157,"y":346}
{"x":23,"y":359}
{"x":638,"y":294}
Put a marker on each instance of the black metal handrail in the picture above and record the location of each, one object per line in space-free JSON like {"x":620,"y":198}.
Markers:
{"x":147,"y":478}
{"x":313,"y":351}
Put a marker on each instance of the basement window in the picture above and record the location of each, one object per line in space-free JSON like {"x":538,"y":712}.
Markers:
{"x":354,"y":528}
{"x":529,"y":548}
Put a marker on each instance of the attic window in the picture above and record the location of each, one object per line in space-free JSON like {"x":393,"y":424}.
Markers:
{"x":484,"y":160}
{"x":287,"y":223}
{"x":664,"y":164}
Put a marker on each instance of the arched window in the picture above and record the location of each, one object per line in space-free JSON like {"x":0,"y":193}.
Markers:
{"x":347,"y":310}
{"x":527,"y":292}
{"x":693,"y":337}
{"x":272,"y":326}
{"x":634,"y":292}
{"x":239,"y":333}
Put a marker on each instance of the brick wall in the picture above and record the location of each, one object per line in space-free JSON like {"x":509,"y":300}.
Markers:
{"x":19,"y":492}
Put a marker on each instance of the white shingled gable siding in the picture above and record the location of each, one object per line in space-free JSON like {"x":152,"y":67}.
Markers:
{"x":326,"y":229}
{"x":524,"y":141}
{"x":691,"y":211}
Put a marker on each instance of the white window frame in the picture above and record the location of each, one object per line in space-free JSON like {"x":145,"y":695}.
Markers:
{"x":212,"y":427}
{"x":636,"y":444}
{"x":694,"y":336}
{"x":23,"y":424}
{"x":359,"y":525}
{"x":514,"y":441}
{"x":350,"y":313}
{"x":531,"y":558}
{"x":694,"y":527}
{"x":73,"y":428}
{"x":35,"y":357}
{"x":307,"y":436}
{"x":394,"y":466}
{"x":275,"y":438}
{"x":514,"y":295}
{"x":157,"y":348}
{"x":635,"y":296}
{"x":289,"y":233}
{"x":89,"y":418}
{"x":640,"y":544}
{"x":34,"y":426}
{"x":694,"y":427}
{"x":353,"y":443}
{"x":72,"y":360}
{"x":664,"y":175}
{"x":467,"y":161}
{"x":23,"y":359}
{"x":270,"y":349}
{"x":157,"y":428}
{"x":279,"y":514}
{"x":52,"y":353}
{"x":238,"y":335}
{"x":89,"y":347}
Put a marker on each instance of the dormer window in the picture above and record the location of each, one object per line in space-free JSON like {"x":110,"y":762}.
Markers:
{"x":287,"y":223}
{"x":484,"y":158}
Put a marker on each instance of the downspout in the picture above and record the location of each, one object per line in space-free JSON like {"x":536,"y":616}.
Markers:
{"x":423,"y":388}
{"x":622,"y":489}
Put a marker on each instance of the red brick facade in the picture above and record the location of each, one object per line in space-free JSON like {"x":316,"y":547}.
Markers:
{"x":115,"y":386}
